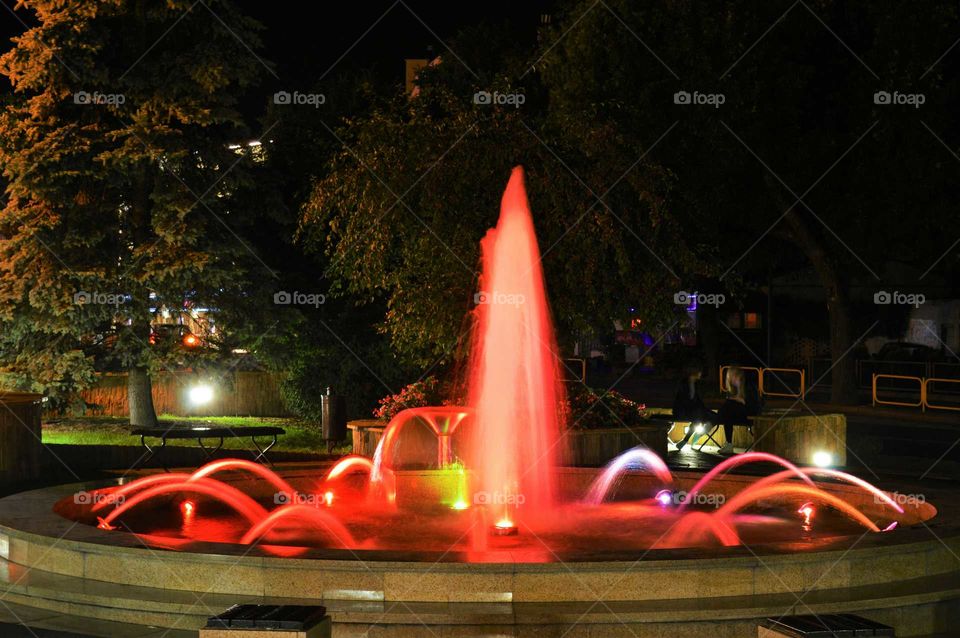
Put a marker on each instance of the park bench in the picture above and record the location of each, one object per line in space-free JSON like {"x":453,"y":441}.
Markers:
{"x":201,"y":433}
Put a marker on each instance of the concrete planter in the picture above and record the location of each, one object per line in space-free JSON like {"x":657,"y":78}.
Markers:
{"x":20,"y":436}
{"x":579,"y":448}
{"x":595,"y":448}
{"x":798,"y":436}
{"x":366,"y":435}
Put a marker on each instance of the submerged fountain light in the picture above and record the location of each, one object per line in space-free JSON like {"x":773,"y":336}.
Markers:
{"x":328,"y":498}
{"x":664,"y":497}
{"x":807,"y":510}
{"x":504,"y":527}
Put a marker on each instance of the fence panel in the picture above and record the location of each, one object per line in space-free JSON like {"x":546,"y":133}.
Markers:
{"x":777,"y":386}
{"x":901,"y":381}
{"x":235,"y":394}
{"x":934,"y":397}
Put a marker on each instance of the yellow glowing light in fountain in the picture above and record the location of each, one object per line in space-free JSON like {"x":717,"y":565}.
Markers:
{"x":328,"y":498}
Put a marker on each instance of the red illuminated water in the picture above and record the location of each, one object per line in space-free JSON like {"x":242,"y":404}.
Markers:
{"x":515,"y":387}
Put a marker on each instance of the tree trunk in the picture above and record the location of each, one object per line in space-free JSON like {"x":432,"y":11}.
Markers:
{"x":140,"y":398}
{"x":843,"y":387}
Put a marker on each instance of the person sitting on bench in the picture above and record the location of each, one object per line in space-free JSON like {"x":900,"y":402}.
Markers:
{"x":687,"y":404}
{"x":743,"y":402}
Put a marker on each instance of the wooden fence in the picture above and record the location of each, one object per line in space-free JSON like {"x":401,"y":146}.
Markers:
{"x":234,"y":394}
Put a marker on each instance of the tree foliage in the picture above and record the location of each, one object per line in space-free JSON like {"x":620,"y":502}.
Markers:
{"x":402,"y":209}
{"x":115,"y":151}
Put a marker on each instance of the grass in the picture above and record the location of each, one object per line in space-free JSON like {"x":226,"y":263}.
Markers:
{"x":300,"y":436}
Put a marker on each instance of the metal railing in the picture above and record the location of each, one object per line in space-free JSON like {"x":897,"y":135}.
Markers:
{"x":921,"y":386}
{"x":762,"y":387}
{"x":927,"y":393}
{"x":790,"y":395}
{"x":723,"y":376}
{"x":572,"y":366}
{"x":924,"y":384}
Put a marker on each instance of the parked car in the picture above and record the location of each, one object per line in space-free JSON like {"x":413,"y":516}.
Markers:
{"x":907,"y":351}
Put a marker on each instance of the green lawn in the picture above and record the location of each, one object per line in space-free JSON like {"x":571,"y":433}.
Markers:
{"x":300,"y":436}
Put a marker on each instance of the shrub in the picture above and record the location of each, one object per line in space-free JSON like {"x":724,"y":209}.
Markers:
{"x":589,"y":411}
{"x":427,"y":391}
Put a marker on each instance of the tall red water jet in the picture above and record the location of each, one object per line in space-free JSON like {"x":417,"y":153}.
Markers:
{"x":515,"y":388}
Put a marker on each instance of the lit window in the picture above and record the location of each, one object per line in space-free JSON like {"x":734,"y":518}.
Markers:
{"x":751,"y":320}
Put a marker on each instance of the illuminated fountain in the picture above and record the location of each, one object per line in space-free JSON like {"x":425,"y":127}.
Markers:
{"x":484,"y":476}
{"x":450,"y":487}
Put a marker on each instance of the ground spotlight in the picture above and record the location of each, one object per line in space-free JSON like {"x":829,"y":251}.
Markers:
{"x":822,"y":458}
{"x":201,"y":394}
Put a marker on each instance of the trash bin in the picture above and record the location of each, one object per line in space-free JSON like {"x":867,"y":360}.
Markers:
{"x":333,"y":413}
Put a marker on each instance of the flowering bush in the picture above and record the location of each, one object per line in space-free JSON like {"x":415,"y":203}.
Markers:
{"x":427,"y":391}
{"x":582,"y":409}
{"x":616,"y":410}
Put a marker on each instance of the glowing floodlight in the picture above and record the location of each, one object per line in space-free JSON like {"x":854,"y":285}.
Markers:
{"x":822,"y":458}
{"x":201,"y":394}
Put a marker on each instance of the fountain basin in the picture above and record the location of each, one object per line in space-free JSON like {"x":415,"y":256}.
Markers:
{"x":882,"y":576}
